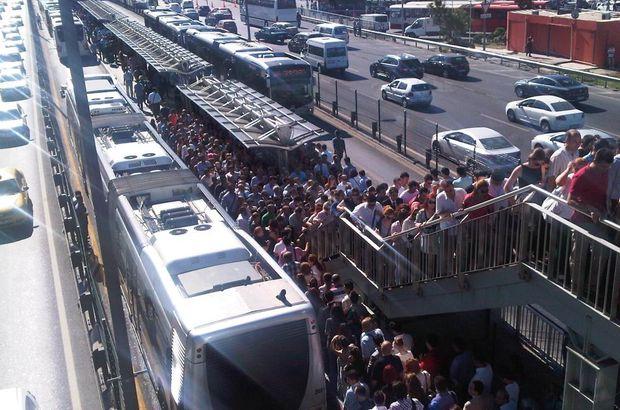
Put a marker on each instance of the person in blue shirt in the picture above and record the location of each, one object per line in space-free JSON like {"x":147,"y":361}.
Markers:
{"x":354,"y":398}
{"x":444,"y":399}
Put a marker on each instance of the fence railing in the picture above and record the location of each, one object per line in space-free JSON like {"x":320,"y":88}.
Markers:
{"x":584,"y":260}
{"x":317,"y":16}
{"x":543,"y":336}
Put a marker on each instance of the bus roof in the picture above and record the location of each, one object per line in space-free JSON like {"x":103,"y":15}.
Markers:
{"x":268,"y":59}
{"x":326,"y":41}
{"x":424,"y":5}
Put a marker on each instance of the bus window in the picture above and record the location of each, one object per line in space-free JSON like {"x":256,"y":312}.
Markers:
{"x":286,"y":4}
{"x":336,"y":52}
{"x":317,"y":51}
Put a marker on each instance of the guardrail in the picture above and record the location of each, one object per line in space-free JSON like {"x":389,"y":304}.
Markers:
{"x":582,"y":263}
{"x":543,"y":336}
{"x":317,"y":16}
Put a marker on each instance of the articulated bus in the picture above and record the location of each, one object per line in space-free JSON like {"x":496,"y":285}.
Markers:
{"x":266,"y":12}
{"x":210,"y":308}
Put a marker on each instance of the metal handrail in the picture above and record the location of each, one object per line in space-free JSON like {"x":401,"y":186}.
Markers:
{"x":471,"y":52}
{"x":501,"y":198}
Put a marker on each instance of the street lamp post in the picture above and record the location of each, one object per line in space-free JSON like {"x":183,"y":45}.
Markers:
{"x":402,"y":13}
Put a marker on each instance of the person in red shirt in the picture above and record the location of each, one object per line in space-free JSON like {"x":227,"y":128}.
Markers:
{"x":479,"y":195}
{"x":588,"y":189}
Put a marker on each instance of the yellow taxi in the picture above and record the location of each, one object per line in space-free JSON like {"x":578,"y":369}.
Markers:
{"x":14,"y":201}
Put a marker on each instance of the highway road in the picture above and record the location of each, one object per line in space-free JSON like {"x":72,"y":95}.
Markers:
{"x":44,"y":347}
{"x":477,"y":101}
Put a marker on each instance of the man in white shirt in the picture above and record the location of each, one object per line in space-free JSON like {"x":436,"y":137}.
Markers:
{"x":369,"y":212}
{"x":484,"y":373}
{"x":564,"y":156}
{"x":411,"y":193}
{"x":154,"y":101}
{"x":449,"y":201}
{"x":496,"y":188}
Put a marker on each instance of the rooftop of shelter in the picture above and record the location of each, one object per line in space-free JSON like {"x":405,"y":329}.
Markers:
{"x":254,"y":120}
{"x":598,"y":16}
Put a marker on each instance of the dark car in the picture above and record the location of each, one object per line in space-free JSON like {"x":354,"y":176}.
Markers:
{"x":448,"y":65}
{"x":397,"y":66}
{"x":218,"y":14}
{"x":203,"y":11}
{"x":271,"y":35}
{"x":228,"y":25}
{"x":556,"y":84}
{"x":298,"y":42}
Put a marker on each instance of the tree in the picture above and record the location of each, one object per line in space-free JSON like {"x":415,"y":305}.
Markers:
{"x":452,"y":22}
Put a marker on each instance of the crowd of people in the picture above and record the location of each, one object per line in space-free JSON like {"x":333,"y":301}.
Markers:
{"x":279,"y":208}
{"x":371,"y":367}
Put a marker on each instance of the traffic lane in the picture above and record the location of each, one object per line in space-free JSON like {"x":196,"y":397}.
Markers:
{"x":43,"y":343}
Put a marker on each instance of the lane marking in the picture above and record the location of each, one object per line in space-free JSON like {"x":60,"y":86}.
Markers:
{"x":60,"y":300}
{"x":505,"y":122}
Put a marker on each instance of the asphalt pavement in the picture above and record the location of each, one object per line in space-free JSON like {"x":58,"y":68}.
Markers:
{"x":44,"y":346}
{"x":477,"y":101}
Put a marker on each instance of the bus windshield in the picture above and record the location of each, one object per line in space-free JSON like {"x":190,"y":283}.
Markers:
{"x":290,"y":85}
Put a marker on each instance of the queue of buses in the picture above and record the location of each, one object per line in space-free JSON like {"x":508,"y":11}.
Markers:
{"x":283,"y":77}
{"x":210,"y":308}
{"x":49,"y":12}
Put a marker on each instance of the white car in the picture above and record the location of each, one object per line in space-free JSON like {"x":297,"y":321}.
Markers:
{"x":408,"y":91}
{"x":556,"y":140}
{"x":18,"y":399}
{"x":13,"y":124}
{"x":187,"y":4}
{"x":480,"y":146}
{"x":13,"y":85}
{"x":548,"y":112}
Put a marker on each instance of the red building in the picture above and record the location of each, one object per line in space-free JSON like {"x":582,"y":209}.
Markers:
{"x":585,"y":39}
{"x":498,"y":11}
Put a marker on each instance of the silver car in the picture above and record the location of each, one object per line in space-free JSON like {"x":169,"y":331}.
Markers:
{"x":481,"y":147}
{"x":408,"y":92}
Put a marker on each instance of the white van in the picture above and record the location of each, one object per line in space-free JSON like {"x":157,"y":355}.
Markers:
{"x":326,"y":54}
{"x":375,"y":22}
{"x":424,"y":26}
{"x":334,"y":30}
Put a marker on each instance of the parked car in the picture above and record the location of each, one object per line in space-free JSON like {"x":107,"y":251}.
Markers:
{"x":290,"y":28}
{"x":448,"y":65}
{"x":481,"y":146}
{"x":271,"y":35}
{"x":298,"y":42}
{"x":13,"y":85}
{"x":555,"y":84}
{"x":176,"y":7}
{"x":408,"y":92}
{"x":548,"y":112}
{"x":228,"y":25}
{"x":187,"y":4}
{"x":334,"y":30}
{"x":14,"y":200}
{"x":392,"y":67}
{"x":556,"y":140}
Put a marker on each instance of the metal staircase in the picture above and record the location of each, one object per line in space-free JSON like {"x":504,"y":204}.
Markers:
{"x":518,"y":255}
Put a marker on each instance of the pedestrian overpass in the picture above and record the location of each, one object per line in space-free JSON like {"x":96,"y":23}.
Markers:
{"x":522,"y":254}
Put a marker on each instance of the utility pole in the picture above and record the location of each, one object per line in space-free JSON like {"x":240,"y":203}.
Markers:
{"x":89,"y":158}
{"x":402,"y":14}
{"x":247,"y":18}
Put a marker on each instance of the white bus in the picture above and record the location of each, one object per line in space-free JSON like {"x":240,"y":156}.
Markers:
{"x":265,"y":12}
{"x":416,"y":9}
{"x":59,"y":38}
{"x":375,"y":22}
